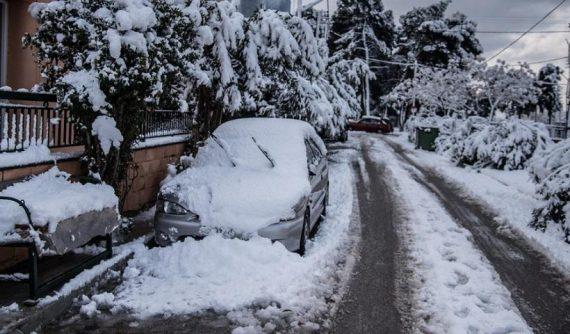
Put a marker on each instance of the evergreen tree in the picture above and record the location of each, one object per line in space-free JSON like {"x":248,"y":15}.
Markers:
{"x":549,"y":78}
{"x":362,"y":29}
{"x":430,"y":38}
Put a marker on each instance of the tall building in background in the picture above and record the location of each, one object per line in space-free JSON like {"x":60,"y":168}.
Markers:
{"x":248,"y":7}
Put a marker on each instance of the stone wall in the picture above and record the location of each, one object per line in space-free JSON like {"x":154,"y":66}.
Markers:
{"x":149,"y":167}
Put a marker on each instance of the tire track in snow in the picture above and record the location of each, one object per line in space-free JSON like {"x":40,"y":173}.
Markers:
{"x":456,"y":289}
{"x":375,"y":301}
{"x":539,"y":290}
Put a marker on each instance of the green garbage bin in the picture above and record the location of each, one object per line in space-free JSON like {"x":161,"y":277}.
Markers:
{"x":425,"y":138}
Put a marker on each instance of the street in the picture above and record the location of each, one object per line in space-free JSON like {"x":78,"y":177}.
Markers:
{"x":386,"y":292}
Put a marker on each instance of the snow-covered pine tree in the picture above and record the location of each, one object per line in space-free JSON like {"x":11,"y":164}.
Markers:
{"x":284,"y":65}
{"x":362,"y":29}
{"x":218,"y":96}
{"x":109,"y":60}
{"x":548,"y":82}
{"x":432,"y":39}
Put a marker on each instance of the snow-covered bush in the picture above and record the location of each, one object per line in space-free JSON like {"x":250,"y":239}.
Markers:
{"x":548,"y":161}
{"x":507,"y":145}
{"x":108,"y":60}
{"x":555,"y":191}
{"x":551,"y":170}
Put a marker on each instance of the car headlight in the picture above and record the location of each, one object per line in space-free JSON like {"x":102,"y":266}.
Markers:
{"x":173,"y":208}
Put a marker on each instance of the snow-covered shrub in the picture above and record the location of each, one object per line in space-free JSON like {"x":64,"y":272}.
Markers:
{"x":108,"y":60}
{"x":551,"y":170}
{"x":555,"y":191}
{"x":507,"y":145}
{"x":548,"y":161}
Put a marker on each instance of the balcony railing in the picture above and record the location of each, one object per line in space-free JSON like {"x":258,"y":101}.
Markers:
{"x":22,"y":126}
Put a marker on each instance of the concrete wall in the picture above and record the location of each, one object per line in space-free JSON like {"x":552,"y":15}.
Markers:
{"x":149,"y":166}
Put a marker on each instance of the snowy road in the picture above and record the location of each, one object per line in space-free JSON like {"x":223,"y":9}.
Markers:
{"x":428,"y":260}
{"x":539,"y":291}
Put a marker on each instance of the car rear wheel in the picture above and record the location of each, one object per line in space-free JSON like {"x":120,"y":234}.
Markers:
{"x":306,"y":233}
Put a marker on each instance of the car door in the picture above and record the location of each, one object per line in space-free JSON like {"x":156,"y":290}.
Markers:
{"x":318,"y":177}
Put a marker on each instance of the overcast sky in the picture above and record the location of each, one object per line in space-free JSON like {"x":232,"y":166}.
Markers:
{"x":507,"y":15}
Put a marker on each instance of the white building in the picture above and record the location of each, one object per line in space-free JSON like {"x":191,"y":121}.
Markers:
{"x":248,"y":7}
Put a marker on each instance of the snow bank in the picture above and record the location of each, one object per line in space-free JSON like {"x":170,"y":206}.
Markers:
{"x":252,"y":194}
{"x":458,"y":289}
{"x":51,"y":198}
{"x":233,"y":275}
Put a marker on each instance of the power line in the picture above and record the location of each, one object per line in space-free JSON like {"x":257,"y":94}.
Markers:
{"x":527,"y":31}
{"x":547,"y":60}
{"x":522,"y":32}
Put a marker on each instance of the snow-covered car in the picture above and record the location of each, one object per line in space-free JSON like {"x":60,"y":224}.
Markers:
{"x":262,"y":176}
{"x":371,"y":124}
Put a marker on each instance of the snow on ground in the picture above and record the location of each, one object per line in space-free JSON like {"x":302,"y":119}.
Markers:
{"x":256,"y":282}
{"x":511,"y":194}
{"x":457,"y":290}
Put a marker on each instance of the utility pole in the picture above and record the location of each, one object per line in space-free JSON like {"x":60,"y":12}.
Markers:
{"x":403,"y":115}
{"x":366,"y":78}
{"x":568,"y":96}
{"x":299,"y":8}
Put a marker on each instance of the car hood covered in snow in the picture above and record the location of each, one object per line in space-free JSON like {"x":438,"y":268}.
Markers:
{"x":253,"y":193}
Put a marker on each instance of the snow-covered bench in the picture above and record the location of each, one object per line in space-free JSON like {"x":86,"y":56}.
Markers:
{"x":50,"y":215}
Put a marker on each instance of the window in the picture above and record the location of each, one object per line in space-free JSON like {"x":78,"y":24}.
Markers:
{"x":314,"y":155}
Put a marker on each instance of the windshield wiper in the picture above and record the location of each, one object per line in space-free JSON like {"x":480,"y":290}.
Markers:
{"x":217,"y":140}
{"x":265,"y":153}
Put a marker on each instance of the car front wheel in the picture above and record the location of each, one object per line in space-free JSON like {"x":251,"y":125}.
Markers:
{"x":306,"y":233}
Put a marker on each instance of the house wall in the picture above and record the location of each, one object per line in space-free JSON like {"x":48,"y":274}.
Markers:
{"x":149,"y":167}
{"x":21,"y":70}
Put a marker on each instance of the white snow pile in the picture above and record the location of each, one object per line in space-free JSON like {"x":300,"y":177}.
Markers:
{"x":457,"y":290}
{"x":506,"y":145}
{"x":260,"y":283}
{"x":253,"y":194}
{"x":51,"y":198}
{"x":551,"y":170}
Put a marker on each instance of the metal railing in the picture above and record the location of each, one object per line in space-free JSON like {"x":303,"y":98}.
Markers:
{"x":22,"y":126}
{"x":162,"y":123}
{"x":558,"y":132}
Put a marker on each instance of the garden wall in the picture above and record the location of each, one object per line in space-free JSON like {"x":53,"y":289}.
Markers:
{"x":149,"y":166}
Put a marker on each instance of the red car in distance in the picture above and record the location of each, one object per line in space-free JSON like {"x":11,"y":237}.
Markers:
{"x":371,"y":124}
